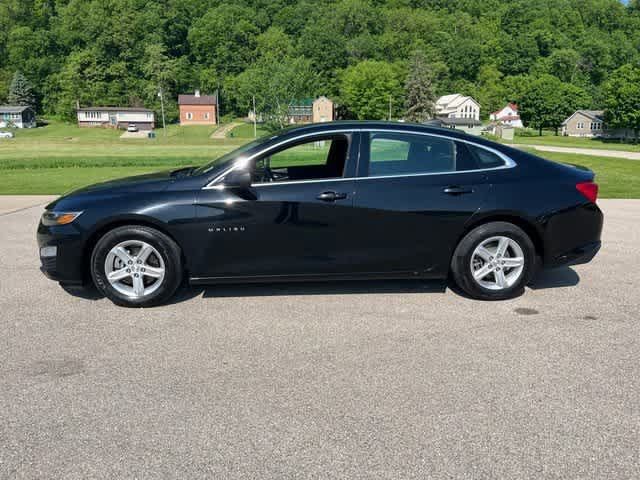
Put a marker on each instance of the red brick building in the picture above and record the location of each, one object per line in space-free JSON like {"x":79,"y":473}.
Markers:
{"x":198,"y":109}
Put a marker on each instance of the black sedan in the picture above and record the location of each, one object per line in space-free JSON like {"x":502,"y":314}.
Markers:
{"x":333,"y":201}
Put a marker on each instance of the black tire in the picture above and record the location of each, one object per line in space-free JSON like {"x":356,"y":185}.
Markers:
{"x":165,"y":246}
{"x":461,"y":269}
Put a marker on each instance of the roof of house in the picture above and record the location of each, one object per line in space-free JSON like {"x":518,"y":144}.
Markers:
{"x":115,"y":109}
{"x":13,"y":109}
{"x":512,"y":105}
{"x":453,"y":100}
{"x":597,"y":115}
{"x":197,"y":100}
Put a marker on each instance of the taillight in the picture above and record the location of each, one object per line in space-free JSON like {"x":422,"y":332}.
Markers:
{"x":589,"y":190}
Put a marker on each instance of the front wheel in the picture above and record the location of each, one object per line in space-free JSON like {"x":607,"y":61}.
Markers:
{"x":136,"y":266}
{"x":494,"y":261}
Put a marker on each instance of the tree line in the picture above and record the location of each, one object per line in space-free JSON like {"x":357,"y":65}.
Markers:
{"x":374,"y":58}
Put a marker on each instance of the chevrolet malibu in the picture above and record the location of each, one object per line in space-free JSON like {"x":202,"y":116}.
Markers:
{"x":333,"y":201}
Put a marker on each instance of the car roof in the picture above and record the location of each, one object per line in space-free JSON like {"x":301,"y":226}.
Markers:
{"x":408,"y":127}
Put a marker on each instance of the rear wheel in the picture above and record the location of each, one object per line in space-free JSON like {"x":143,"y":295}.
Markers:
{"x":494,"y":261}
{"x":136,"y":266}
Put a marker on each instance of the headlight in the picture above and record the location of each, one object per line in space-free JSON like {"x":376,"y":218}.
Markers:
{"x":59,"y":218}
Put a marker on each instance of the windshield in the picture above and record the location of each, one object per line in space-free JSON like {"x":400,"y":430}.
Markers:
{"x":227,"y":157}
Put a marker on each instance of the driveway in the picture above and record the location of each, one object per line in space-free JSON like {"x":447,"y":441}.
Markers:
{"x":583,"y":151}
{"x":343,"y":380}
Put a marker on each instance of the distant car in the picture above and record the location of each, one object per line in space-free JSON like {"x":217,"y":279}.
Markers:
{"x":6,"y":135}
{"x":132,"y":128}
{"x":330,"y":201}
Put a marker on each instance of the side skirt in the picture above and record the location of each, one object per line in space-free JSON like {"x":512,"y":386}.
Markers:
{"x":312,"y":278}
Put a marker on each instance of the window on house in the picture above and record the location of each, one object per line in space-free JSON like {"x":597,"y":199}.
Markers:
{"x":580,"y":125}
{"x":206,"y":116}
{"x":189,"y":116}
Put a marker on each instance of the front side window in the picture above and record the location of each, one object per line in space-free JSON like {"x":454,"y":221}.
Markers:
{"x":398,"y":154}
{"x":317,"y":159}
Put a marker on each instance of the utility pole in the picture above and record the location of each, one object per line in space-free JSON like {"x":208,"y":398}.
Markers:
{"x":164,"y":125}
{"x":255,"y":117}
{"x":389,"y":107}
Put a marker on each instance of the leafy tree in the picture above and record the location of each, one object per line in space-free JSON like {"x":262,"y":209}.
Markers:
{"x":368,"y":88}
{"x":420,"y":89}
{"x":225,"y":38}
{"x":621,"y":98}
{"x":548,"y":101}
{"x":275,"y":86}
{"x":21,"y":91}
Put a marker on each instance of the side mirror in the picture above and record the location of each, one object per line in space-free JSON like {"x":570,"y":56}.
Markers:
{"x":240,"y":179}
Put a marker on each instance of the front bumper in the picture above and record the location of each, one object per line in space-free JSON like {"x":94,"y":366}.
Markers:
{"x":66,"y":266}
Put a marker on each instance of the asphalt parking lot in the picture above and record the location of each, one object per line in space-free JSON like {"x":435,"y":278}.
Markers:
{"x":352,"y":380}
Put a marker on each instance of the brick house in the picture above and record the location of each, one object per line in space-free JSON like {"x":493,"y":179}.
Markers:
{"x":116,"y":117}
{"x":198,"y":109}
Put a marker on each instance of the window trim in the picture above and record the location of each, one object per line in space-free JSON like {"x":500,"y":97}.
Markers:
{"x":239,"y":162}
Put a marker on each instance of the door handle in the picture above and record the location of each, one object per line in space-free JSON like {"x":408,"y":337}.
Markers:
{"x":331,"y":196}
{"x":457,"y":190}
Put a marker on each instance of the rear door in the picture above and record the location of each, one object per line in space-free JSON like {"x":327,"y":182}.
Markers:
{"x":414,"y":194}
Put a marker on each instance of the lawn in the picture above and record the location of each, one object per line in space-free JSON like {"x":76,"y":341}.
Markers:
{"x":60,"y":157}
{"x":245,"y":131}
{"x":576,"y":142}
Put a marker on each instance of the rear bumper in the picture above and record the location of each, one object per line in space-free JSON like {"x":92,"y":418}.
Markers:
{"x":572,"y":236}
{"x":577,"y":256}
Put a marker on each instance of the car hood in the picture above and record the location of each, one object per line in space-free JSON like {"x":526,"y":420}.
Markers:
{"x":151,"y":182}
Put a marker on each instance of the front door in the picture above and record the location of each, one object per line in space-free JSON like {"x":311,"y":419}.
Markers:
{"x":296,"y":218}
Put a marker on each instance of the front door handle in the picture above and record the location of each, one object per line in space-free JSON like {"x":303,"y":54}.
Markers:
{"x":457,"y":190}
{"x":331,"y":196}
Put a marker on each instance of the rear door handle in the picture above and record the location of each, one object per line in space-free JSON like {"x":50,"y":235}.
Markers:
{"x":457,"y":190}
{"x":331,"y":196}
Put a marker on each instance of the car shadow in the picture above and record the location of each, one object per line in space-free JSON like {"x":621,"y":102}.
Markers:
{"x":556,"y":278}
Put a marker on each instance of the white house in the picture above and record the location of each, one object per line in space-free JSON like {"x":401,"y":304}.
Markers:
{"x":116,"y":117}
{"x":457,"y":106}
{"x":17,"y":116}
{"x":508,"y":115}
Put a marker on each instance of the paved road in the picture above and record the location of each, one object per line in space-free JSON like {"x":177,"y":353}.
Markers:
{"x":583,"y":151}
{"x":364,"y":380}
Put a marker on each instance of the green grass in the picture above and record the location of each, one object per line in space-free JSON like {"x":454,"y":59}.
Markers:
{"x":245,"y":131}
{"x":577,"y":142}
{"x":616,"y":177}
{"x":60,"y":157}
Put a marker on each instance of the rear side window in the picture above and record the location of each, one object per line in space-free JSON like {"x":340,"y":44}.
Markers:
{"x":471,"y":157}
{"x":395,"y":154}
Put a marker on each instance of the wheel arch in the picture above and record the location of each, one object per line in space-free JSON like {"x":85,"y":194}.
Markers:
{"x":519,"y":221}
{"x":112,"y":223}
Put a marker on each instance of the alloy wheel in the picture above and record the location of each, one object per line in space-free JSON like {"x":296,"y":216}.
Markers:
{"x":497,"y":263}
{"x":134,"y":268}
